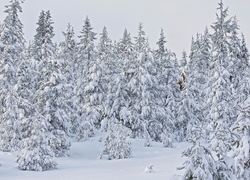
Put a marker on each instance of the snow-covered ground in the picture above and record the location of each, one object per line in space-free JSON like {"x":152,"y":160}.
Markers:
{"x":84,"y":164}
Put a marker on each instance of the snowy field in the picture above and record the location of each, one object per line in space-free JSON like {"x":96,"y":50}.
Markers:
{"x":84,"y":164}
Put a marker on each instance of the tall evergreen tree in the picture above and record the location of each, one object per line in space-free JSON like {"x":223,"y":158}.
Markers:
{"x":151,"y":110}
{"x":54,"y":99}
{"x":140,"y":40}
{"x":161,"y":51}
{"x":167,"y":68}
{"x":183,"y":61}
{"x":93,"y":107}
{"x":86,"y":58}
{"x":221,"y":112}
{"x":68,"y":54}
{"x":12,"y":46}
{"x":242,"y":151}
{"x":105,"y":54}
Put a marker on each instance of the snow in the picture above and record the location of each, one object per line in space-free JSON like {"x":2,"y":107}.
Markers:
{"x":84,"y":163}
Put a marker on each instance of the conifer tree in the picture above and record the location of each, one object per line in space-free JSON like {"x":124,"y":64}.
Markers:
{"x":68,"y":55}
{"x":68,"y":52}
{"x":52,"y":96}
{"x":140,"y":40}
{"x":93,"y":107}
{"x":12,"y":46}
{"x":200,"y":163}
{"x":54,"y":99}
{"x":117,"y":145}
{"x":161,"y":51}
{"x":167,"y":68}
{"x":36,"y":153}
{"x":221,"y":112}
{"x":85,"y":60}
{"x":183,"y":61}
{"x":105,"y":54}
{"x":242,"y":151}
{"x":43,"y":47}
{"x":151,"y":111}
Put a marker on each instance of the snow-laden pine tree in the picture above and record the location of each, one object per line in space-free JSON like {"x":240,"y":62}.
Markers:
{"x":187,"y":112}
{"x":140,"y":40}
{"x":242,"y":151}
{"x":92,"y":112}
{"x":68,"y":53}
{"x":118,"y":103}
{"x":221,"y":109}
{"x":85,"y":61}
{"x":53,"y":93}
{"x":242,"y":128}
{"x":117,"y":144}
{"x":167,"y":68}
{"x":183,"y":61}
{"x":234,"y":50}
{"x":43,"y":47}
{"x":200,"y":163}
{"x":127,"y":67}
{"x":125,"y":52}
{"x":204,"y":73}
{"x":151,"y":110}
{"x":54,"y":100}
{"x":12,"y":46}
{"x":243,"y":90}
{"x":105,"y":54}
{"x":36,"y":153}
{"x":161,"y":51}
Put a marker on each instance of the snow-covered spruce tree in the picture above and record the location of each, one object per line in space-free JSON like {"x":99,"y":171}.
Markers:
{"x":54,"y":100}
{"x":183,"y":61}
{"x":200,"y":163}
{"x":26,"y":93}
{"x":221,"y":112}
{"x":151,"y":111}
{"x":36,"y":153}
{"x":12,"y":46}
{"x":161,"y":51}
{"x":127,"y":67}
{"x":93,"y":105}
{"x":167,"y":82}
{"x":52,"y":91}
{"x":117,"y":144}
{"x":68,"y":53}
{"x":118,"y":103}
{"x":187,"y":113}
{"x":203,"y":74}
{"x":242,"y":151}
{"x":43,"y":47}
{"x":140,"y":40}
{"x":242,"y":128}
{"x":125,"y":52}
{"x":243,"y":89}
{"x":85,"y":60}
{"x":105,"y":54}
{"x":234,"y":50}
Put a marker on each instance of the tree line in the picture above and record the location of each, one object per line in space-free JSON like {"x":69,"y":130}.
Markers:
{"x":53,"y":93}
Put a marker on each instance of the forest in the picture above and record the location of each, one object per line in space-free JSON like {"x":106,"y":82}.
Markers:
{"x":53,"y":94}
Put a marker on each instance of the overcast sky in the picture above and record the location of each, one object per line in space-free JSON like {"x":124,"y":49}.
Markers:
{"x":180,"y":19}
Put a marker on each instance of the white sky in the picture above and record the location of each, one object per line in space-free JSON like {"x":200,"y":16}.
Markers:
{"x":180,"y":19}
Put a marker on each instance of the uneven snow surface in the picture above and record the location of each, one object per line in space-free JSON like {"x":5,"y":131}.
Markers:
{"x":84,"y":164}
